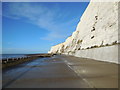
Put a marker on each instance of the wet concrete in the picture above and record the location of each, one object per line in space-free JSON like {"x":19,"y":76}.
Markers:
{"x":62,"y":72}
{"x":43,"y":73}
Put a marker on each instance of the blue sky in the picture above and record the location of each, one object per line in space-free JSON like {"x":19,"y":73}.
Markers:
{"x":33,"y":27}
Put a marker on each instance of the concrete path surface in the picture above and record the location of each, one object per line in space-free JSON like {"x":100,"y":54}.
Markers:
{"x":62,"y":71}
{"x":42,"y":73}
{"x":96,"y":73}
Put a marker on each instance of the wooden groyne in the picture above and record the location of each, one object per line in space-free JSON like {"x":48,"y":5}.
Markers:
{"x":8,"y":62}
{"x":41,"y":55}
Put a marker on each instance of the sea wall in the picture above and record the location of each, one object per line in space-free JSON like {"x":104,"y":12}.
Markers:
{"x":96,"y":35}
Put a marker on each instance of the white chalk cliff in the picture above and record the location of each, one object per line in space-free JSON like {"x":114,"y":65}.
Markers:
{"x":96,"y":35}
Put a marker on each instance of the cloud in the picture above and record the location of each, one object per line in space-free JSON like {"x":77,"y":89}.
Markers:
{"x":42,"y":16}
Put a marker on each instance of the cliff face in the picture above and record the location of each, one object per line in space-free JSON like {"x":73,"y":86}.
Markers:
{"x":96,"y":35}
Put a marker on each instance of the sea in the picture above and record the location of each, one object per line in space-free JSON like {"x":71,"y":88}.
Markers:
{"x":4,"y":56}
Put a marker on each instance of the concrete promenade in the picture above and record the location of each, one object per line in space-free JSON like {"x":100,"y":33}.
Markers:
{"x":97,"y":74}
{"x":61,"y":71}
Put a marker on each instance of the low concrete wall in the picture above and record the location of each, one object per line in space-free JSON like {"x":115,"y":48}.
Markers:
{"x":108,"y":53}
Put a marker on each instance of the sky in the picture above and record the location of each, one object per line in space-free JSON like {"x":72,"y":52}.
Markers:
{"x":34,"y":27}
